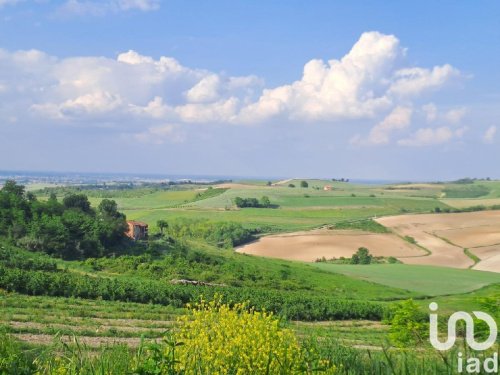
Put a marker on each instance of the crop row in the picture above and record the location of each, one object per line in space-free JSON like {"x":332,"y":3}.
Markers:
{"x":293,"y":305}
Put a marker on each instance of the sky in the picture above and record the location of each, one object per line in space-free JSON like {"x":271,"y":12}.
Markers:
{"x":357,"y":89}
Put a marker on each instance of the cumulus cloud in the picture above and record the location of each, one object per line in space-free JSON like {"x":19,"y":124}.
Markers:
{"x":414,"y":81}
{"x":366,"y":84}
{"x":398,"y":119}
{"x":489,"y":135}
{"x":96,"y":103}
{"x":432,"y":136}
{"x":102,"y":7}
{"x":352,"y":87}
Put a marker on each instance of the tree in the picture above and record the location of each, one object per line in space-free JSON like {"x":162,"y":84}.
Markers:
{"x":304,"y":184}
{"x":269,"y":183}
{"x":162,"y":224}
{"x":252,"y":202}
{"x":11,"y":187}
{"x":108,"y":208}
{"x":362,"y":256}
{"x":246,"y":202}
{"x":265,"y":202}
{"x":78,"y":201}
{"x":239,"y":202}
{"x":291,"y":185}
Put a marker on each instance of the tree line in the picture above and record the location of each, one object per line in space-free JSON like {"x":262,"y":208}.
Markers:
{"x":70,"y":229}
{"x":263,"y":202}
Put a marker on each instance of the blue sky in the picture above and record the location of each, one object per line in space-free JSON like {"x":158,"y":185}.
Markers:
{"x":371,"y":89}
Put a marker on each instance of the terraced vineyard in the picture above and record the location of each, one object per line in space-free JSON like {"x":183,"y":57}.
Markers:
{"x":36,"y":320}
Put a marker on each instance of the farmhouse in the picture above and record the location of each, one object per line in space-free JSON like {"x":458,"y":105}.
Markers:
{"x":327,"y":188}
{"x":137,"y":230}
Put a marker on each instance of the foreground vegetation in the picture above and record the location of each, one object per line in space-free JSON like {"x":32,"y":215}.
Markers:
{"x":216,"y":338}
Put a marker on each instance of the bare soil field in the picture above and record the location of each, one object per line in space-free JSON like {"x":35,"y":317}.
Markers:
{"x":311,"y":245}
{"x":472,"y":237}
{"x":447,"y":235}
{"x":490,"y":258}
{"x":491,"y":264}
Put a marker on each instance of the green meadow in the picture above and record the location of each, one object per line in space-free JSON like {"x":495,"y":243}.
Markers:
{"x":420,"y":279}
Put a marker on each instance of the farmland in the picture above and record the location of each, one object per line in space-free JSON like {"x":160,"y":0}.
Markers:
{"x":265,"y":256}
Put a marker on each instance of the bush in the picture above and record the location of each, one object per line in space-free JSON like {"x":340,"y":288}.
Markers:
{"x":368,"y":225}
{"x":408,"y":324}
{"x":264,"y":202}
{"x":362,"y":256}
{"x":221,"y":339}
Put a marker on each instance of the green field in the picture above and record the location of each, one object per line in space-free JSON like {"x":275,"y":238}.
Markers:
{"x":428,"y":280}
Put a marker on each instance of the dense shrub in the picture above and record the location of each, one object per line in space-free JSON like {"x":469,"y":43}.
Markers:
{"x":231,"y":340}
{"x":263,"y":202}
{"x":11,"y":258}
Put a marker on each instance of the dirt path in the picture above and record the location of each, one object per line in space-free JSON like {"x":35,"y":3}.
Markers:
{"x":85,"y":340}
{"x":80,"y":328}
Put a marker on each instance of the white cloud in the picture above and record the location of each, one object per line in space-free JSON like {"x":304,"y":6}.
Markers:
{"x":145,"y":92}
{"x":352,"y":87}
{"x":454,"y":116}
{"x":205,"y":91}
{"x":398,"y":119}
{"x":414,"y":81}
{"x":489,"y":135}
{"x":97,"y":103}
{"x":102,"y":7}
{"x":432,"y":136}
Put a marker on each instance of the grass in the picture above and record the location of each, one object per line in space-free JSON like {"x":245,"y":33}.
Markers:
{"x":464,"y":301}
{"x":271,"y":220}
{"x":427,"y":280}
{"x":288,"y":218}
{"x":473,"y":256}
{"x":367,"y":225}
{"x":298,"y":208}
{"x":466,"y":191}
